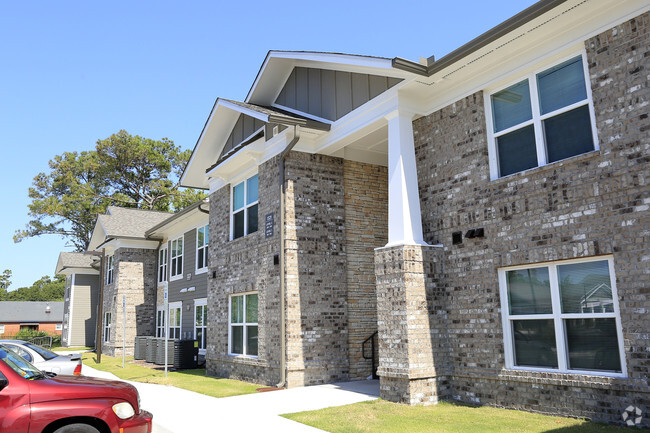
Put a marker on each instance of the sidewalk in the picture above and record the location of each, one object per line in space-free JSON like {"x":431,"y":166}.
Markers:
{"x":177,"y":410}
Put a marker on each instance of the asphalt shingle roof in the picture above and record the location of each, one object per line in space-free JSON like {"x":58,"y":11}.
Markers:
{"x":30,"y":311}
{"x":130,"y":223}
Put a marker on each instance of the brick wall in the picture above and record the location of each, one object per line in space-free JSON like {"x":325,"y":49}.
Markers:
{"x":245,"y":265}
{"x":134,"y":276}
{"x":589,"y":205}
{"x":317,"y":328}
{"x":366,"y":228}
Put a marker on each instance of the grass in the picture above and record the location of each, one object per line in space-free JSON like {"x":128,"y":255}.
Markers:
{"x":385,"y":417}
{"x":192,"y":380}
{"x":71,"y":349}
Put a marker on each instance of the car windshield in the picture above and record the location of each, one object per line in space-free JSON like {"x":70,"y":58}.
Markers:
{"x":46,"y":354}
{"x":19,"y":365}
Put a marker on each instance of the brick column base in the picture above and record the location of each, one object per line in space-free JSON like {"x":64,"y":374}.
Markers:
{"x":411,"y":321}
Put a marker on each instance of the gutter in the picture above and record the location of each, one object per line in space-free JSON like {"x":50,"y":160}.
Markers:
{"x":283,"y":290}
{"x":510,"y":25}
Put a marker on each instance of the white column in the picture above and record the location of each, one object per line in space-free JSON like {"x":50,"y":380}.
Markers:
{"x":404,"y":217}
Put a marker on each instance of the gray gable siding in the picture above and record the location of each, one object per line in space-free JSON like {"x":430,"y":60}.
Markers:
{"x":330,"y":94}
{"x":244,"y":128}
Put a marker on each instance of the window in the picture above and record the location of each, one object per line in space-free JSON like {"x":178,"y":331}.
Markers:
{"x":2,"y":329}
{"x":541,"y":119}
{"x":562,"y":317}
{"x":160,"y":322}
{"x":175,"y":319}
{"x":200,"y":323}
{"x":107,"y":327}
{"x":58,"y":327}
{"x":243,"y":325}
{"x":162,"y":265}
{"x":109,"y":270}
{"x":177,"y":259}
{"x":202,"y":240}
{"x":244,"y":207}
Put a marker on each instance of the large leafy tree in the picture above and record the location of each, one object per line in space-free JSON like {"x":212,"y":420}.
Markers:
{"x":5,"y":282}
{"x":44,"y":289}
{"x":123,"y":170}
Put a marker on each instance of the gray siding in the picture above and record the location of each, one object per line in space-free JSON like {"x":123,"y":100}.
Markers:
{"x":330,"y":94}
{"x":84,"y":298}
{"x":243,"y":129}
{"x":198,"y":281}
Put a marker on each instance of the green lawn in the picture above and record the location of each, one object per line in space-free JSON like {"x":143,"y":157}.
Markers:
{"x":382,"y":416}
{"x":192,"y":380}
{"x":71,"y":349}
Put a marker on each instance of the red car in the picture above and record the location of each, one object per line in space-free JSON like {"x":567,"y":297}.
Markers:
{"x":32,"y":401}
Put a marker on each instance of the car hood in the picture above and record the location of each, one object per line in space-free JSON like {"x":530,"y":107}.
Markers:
{"x":81,"y":387}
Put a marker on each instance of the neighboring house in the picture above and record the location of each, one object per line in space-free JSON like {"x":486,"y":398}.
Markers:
{"x":81,"y":298}
{"x":473,"y":210}
{"x":183,"y":266}
{"x":130,"y":261}
{"x":43,"y":316}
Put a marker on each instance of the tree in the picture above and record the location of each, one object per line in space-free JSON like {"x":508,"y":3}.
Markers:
{"x":5,"y":282}
{"x":123,"y":170}
{"x":44,"y":289}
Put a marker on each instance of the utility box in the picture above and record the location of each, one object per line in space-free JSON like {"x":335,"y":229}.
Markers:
{"x":160,"y":351}
{"x":186,"y":354}
{"x":151,"y":346}
{"x":140,"y":347}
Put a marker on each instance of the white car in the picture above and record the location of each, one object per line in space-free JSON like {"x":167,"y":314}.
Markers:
{"x":45,"y":359}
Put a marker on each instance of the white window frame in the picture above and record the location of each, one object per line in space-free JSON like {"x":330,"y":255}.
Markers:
{"x":58,"y":327}
{"x":163,"y":259}
{"x":203,"y":302}
{"x":172,"y":259}
{"x":108,"y":325}
{"x":110,"y":267}
{"x":245,"y":208}
{"x":200,"y":269}
{"x":558,"y":318}
{"x":175,"y":306}
{"x":244,"y":324}
{"x":160,"y":321}
{"x":2,"y":329}
{"x":537,"y":117}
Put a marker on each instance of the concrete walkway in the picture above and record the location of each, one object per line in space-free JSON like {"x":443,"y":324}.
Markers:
{"x":177,"y":410}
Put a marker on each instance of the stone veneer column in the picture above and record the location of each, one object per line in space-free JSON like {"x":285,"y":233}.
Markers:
{"x":411,"y":324}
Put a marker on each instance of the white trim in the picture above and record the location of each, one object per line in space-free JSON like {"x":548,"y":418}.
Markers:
{"x":206,"y":247}
{"x":244,"y":324}
{"x":246,"y":206}
{"x":558,"y":318}
{"x":162,"y":328}
{"x":198,"y":303}
{"x":70,"y":309}
{"x":244,"y":110}
{"x":163,"y":265}
{"x":304,"y":114}
{"x":110,"y":269}
{"x":173,"y":306}
{"x":179,"y":276}
{"x":537,"y":118}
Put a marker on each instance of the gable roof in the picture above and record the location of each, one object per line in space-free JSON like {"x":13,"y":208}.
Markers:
{"x":30,"y":311}
{"x":124,"y":223}
{"x":74,"y":260}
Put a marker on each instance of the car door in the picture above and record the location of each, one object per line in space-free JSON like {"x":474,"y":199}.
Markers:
{"x":14,"y":402}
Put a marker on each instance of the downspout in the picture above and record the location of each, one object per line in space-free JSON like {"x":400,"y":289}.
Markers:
{"x":283,"y":326}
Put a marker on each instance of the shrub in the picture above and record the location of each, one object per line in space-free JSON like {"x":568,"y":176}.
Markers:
{"x":29,"y":334}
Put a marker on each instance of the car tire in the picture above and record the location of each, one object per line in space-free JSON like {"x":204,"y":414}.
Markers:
{"x":77,"y":428}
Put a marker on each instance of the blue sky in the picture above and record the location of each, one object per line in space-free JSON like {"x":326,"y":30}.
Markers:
{"x":73,"y":72}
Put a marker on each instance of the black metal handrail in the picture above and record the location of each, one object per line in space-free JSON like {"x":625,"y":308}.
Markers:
{"x":370,"y":339}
